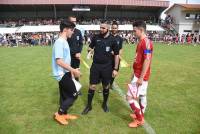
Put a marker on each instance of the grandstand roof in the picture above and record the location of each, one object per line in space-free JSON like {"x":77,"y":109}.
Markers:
{"x":153,"y":3}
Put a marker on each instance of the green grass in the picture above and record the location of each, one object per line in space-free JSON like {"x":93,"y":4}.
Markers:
{"x":29,"y":94}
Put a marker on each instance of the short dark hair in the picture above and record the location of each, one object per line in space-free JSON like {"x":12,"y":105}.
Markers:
{"x":66,"y":24}
{"x":115,"y":23}
{"x":140,"y":24}
{"x":106,"y":23}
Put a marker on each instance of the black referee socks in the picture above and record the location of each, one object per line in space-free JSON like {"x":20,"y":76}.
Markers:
{"x":90,"y":96}
{"x":105,"y":95}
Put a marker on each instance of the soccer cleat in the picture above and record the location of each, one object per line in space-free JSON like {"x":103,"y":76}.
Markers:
{"x":86,"y":110}
{"x":70,"y":117}
{"x":105,"y":108}
{"x":60,"y":119}
{"x":133,"y":116}
{"x":136,"y":123}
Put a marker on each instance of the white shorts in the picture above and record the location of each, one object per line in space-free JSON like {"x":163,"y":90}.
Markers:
{"x":142,"y":90}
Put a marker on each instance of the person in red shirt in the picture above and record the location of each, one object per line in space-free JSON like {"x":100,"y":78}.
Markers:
{"x":140,"y":75}
{"x":189,"y":39}
{"x":182,"y":39}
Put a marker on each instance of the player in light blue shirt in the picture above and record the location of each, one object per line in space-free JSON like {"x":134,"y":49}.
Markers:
{"x":64,"y":73}
{"x":60,"y":50}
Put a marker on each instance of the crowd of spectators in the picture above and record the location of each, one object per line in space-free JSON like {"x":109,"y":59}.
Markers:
{"x":44,"y":39}
{"x":32,"y":39}
{"x":82,"y":21}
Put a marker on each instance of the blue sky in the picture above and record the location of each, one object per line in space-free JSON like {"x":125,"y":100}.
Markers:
{"x":181,"y":1}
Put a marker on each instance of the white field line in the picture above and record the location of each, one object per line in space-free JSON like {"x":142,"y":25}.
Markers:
{"x":146,"y":125}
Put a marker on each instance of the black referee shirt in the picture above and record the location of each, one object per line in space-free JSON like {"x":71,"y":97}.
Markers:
{"x":75,"y":42}
{"x":103,"y":48}
{"x":119,"y":41}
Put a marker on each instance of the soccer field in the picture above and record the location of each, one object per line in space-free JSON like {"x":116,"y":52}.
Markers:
{"x":29,"y":94}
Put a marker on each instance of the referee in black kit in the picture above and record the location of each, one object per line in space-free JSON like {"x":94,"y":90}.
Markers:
{"x":119,"y":42}
{"x":101,"y":69}
{"x":76,"y":45}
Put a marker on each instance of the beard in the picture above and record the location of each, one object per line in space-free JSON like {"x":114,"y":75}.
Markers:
{"x":103,"y":34}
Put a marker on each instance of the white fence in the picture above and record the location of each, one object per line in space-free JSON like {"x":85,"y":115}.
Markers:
{"x":55,"y":28}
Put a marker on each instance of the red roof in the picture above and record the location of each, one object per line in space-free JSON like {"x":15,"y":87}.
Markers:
{"x":154,"y":3}
{"x":186,"y":7}
{"x":191,"y":6}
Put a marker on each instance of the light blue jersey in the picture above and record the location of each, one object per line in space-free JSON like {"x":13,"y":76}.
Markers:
{"x":60,"y":50}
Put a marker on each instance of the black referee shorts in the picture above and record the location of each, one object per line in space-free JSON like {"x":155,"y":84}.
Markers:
{"x":100,"y":73}
{"x":75,"y":63}
{"x":67,"y":87}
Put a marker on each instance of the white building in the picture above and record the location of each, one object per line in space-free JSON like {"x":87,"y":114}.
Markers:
{"x":186,"y":18}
